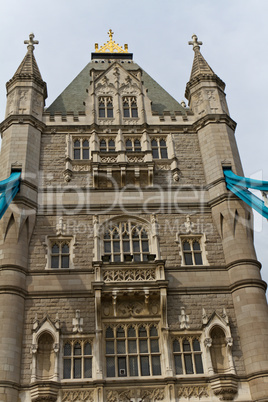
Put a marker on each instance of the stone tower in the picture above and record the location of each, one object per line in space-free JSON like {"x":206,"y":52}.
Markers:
{"x":128,"y":270}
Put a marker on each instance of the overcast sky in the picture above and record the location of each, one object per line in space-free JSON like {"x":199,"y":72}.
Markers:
{"x":235,"y":42}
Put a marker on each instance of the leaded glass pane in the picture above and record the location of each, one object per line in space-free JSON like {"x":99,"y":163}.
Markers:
{"x":176,"y":346}
{"x":87,"y":349}
{"x":132,"y":346}
{"x":128,"y":144}
{"x":133,"y":366}
{"x":126,"y":111}
{"x":67,"y":368}
{"x":196,"y":345}
{"x":155,"y":153}
{"x":154,"y":143}
{"x":126,"y":246}
{"x":85,"y":143}
{"x":154,"y":345}
{"x":178,"y":364}
{"x":186,"y":246}
{"x":85,"y":153}
{"x":110,"y":367}
{"x":122,"y":367}
{"x":107,"y":247}
{"x":64,"y":261}
{"x":186,"y":346}
{"x":77,"y":368}
{"x":142,"y":332}
{"x":116,"y":246}
{"x":55,"y":249}
{"x":137,"y":257}
{"x":198,"y":259}
{"x":145,"y":369}
{"x":131,"y":333}
{"x":67,"y":349}
{"x":77,"y":349}
{"x":103,"y":143}
{"x":196,"y":245}
{"x":77,"y":153}
{"x":143,"y":346}
{"x":153,"y":331}
{"x":111,"y":145}
{"x":110,"y":113}
{"x":134,"y":112}
{"x":120,"y":333}
{"x":156,"y":365}
{"x":54,"y":261}
{"x":101,"y":112}
{"x":121,"y":347}
{"x":87,"y":367}
{"x":162,"y":143}
{"x":110,"y":347}
{"x":137,"y":144}
{"x":65,"y":249}
{"x":188,"y":258}
{"x":109,"y":332}
{"x":188,"y":364}
{"x":163,"y":152}
{"x":145,"y":246}
{"x":136,"y":246}
{"x":198,"y":364}
{"x":77,"y":144}
{"x":117,"y":258}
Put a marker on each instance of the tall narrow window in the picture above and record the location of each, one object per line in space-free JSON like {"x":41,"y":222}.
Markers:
{"x":111,"y":146}
{"x":85,"y":149}
{"x":77,"y":149}
{"x":130,"y":106}
{"x":126,"y":239}
{"x":103,"y":146}
{"x":159,"y":149}
{"x":187,"y":356}
{"x":132,"y":351}
{"x":105,"y":107}
{"x":77,"y":359}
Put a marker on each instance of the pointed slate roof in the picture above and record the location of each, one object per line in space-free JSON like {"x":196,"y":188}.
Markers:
{"x":200,"y":66}
{"x":73,"y":97}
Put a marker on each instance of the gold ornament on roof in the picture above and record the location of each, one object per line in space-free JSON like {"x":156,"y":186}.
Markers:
{"x":111,"y":46}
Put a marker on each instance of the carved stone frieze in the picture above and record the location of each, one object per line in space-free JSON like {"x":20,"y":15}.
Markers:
{"x":130,"y":309}
{"x":118,"y":396}
{"x":155,"y":394}
{"x":193,"y":391}
{"x":108,"y":159}
{"x":82,"y":168}
{"x":78,"y":396}
{"x":159,"y":166}
{"x":129,"y":275}
{"x":135,"y":159}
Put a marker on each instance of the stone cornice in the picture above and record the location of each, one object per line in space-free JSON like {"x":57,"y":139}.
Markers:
{"x":214,"y":119}
{"x":203,"y":78}
{"x":22,"y":119}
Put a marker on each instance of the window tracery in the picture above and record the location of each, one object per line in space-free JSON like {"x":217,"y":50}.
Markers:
{"x":106,"y":107}
{"x":124,"y":239}
{"x":187,"y":356}
{"x":132,"y":350}
{"x":107,"y":145}
{"x":60,"y":254}
{"x":130,"y":108}
{"x":159,"y":148}
{"x":81,"y":149}
{"x":133,"y":145}
{"x":77,"y":359}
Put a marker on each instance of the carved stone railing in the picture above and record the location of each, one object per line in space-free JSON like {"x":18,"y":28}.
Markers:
{"x":129,"y":275}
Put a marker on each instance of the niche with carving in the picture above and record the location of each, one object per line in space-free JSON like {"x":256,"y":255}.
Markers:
{"x":45,"y":357}
{"x":218,"y":351}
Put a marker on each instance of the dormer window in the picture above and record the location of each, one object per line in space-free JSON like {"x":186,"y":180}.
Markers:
{"x":159,"y":149}
{"x":133,"y":145}
{"x":130,"y":106}
{"x":106,"y":107}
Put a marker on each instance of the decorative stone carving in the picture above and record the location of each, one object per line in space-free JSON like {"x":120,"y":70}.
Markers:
{"x":118,"y":396}
{"x":135,"y":159}
{"x":156,"y":394}
{"x":193,"y":391}
{"x":204,"y":316}
{"x":108,"y":159}
{"x":184,"y":319}
{"x":60,"y":227}
{"x":82,"y":168}
{"x":128,"y":309}
{"x":165,"y":166}
{"x":129,"y":275}
{"x":77,"y":322}
{"x":78,"y":395}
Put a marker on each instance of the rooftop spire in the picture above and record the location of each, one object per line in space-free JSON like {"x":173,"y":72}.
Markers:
{"x":200,"y":66}
{"x":111,"y":46}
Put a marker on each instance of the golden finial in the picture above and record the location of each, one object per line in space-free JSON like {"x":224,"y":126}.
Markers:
{"x":111,"y":46}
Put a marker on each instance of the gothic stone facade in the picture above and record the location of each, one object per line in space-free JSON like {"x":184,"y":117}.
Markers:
{"x":128,"y":271}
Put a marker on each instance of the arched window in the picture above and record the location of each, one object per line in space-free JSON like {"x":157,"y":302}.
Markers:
{"x":111,"y":146}
{"x":192,"y":253}
{"x":133,"y":145}
{"x":60,"y":255}
{"x":130,"y":106}
{"x":103,"y":146}
{"x":126,"y":240}
{"x":159,"y":149}
{"x":81,"y":152}
{"x":132,"y":351}
{"x":105,"y":107}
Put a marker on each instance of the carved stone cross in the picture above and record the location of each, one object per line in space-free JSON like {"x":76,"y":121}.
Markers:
{"x":31,"y":42}
{"x":110,"y":33}
{"x":195,"y":43}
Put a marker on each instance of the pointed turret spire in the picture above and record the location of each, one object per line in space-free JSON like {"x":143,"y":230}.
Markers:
{"x":28,"y":67}
{"x":200,"y":65}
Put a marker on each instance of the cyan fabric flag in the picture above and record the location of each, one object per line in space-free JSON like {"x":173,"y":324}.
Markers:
{"x":9,"y":188}
{"x":238,"y":185}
